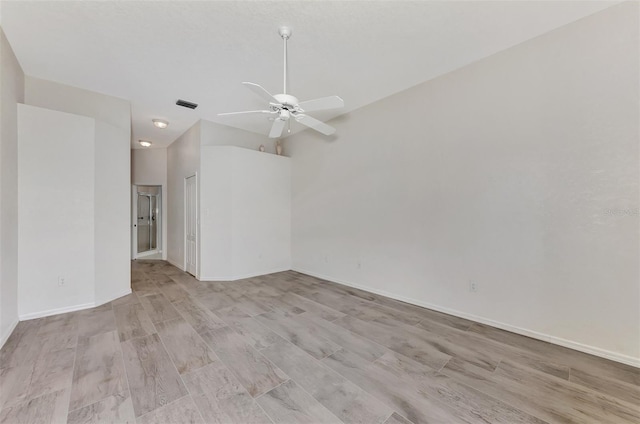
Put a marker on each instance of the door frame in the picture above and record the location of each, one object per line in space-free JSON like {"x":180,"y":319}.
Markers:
{"x":197,"y":218}
{"x":134,"y":221}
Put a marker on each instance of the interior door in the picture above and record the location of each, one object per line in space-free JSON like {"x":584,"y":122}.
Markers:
{"x":191,"y":225}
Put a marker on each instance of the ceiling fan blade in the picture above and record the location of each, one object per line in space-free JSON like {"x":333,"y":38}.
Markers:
{"x":260,"y":91}
{"x":315,"y":124}
{"x":247,"y":112}
{"x":276,"y":128}
{"x":331,"y":102}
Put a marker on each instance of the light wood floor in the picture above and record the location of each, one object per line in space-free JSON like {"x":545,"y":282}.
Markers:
{"x":289,"y":348}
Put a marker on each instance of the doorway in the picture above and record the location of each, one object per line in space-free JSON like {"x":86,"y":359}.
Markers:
{"x":147,"y":231}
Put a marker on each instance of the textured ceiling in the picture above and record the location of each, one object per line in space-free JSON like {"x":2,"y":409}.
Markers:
{"x":153,"y":53}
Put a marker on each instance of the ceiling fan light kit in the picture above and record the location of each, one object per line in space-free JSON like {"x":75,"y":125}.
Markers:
{"x":285,"y":107}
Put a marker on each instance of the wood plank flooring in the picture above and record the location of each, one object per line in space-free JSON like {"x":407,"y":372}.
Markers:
{"x":289,"y":348}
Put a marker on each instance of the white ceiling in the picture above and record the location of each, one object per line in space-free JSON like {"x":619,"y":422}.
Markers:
{"x":153,"y":53}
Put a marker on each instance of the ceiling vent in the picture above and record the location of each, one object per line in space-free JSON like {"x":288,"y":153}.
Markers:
{"x":185,"y":103}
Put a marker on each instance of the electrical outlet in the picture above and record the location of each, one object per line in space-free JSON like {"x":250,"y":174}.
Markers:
{"x":473,"y":286}
{"x":60,"y":281}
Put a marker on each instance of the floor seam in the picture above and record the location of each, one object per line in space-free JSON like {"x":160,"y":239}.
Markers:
{"x":126,"y":373}
{"x":73,"y":372}
{"x":176,"y":369}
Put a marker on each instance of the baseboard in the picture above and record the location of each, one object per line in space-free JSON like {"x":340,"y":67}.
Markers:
{"x":41,"y":314}
{"x":592,"y":350}
{"x":174,"y":263}
{"x":148,"y":253}
{"x":57,"y":311}
{"x":6,"y":336}
{"x":243,"y":276}
{"x":114,"y":297}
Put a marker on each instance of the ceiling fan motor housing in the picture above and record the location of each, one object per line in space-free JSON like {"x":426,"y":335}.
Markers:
{"x":287,"y":101}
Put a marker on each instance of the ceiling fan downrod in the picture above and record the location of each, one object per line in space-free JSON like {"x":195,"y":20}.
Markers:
{"x":285,"y":33}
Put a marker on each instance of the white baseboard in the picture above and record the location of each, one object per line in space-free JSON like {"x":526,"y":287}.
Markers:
{"x":592,"y":350}
{"x":113,"y":297}
{"x":57,"y":311}
{"x":243,"y":276}
{"x":47,"y":313}
{"x":148,"y":253}
{"x":174,"y":263}
{"x":8,"y":333}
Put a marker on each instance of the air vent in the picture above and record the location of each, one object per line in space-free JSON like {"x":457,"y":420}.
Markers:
{"x":185,"y":103}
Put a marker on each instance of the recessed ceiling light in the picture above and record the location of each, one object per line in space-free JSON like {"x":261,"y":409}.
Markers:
{"x":160,"y":123}
{"x":144,"y":143}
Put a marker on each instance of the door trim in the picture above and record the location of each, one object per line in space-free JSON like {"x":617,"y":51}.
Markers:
{"x":134,"y":221}
{"x":197,"y":232}
{"x":158,"y":222}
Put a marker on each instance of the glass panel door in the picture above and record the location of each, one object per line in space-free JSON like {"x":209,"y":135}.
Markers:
{"x":144,"y":223}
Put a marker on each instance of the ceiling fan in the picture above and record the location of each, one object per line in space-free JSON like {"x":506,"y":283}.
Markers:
{"x":284,"y":107}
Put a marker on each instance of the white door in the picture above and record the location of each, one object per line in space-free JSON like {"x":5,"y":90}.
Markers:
{"x":191,"y":225}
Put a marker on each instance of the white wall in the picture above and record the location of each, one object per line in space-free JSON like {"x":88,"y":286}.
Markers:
{"x":149,"y":167}
{"x":66,"y":98}
{"x":245,"y":206}
{"x":213,"y":134}
{"x":110,"y":207}
{"x":216,"y":207}
{"x":112,"y":212}
{"x":518,"y":172}
{"x":11,"y":93}
{"x":56,"y":211}
{"x":183,"y":160}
